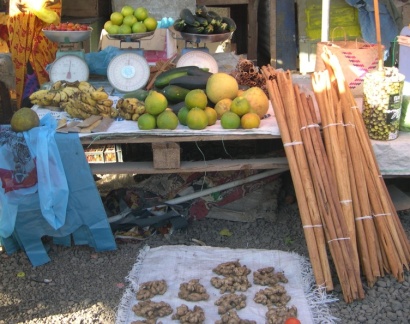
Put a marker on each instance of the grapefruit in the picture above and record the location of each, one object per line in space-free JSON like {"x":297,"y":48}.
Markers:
{"x":24,"y":119}
{"x":220,"y":86}
{"x":258,"y":100}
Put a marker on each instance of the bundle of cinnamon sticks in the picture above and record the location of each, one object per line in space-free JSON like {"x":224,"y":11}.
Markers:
{"x":343,"y":201}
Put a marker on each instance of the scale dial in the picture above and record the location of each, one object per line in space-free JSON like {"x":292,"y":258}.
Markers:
{"x":128,"y":72}
{"x":69,"y":68}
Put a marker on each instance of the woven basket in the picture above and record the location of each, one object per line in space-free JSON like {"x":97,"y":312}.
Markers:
{"x":356,"y":59}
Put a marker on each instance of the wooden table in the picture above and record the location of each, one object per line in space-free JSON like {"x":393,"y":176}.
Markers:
{"x":167,"y":154}
{"x":248,"y":31}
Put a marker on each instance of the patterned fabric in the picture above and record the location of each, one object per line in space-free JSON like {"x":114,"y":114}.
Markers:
{"x":27,"y":43}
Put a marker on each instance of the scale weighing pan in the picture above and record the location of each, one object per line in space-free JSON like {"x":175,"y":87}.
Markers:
{"x":130,"y":37}
{"x":128,"y":72}
{"x":199,"y":59}
{"x":72,"y":36}
{"x":204,"y":38}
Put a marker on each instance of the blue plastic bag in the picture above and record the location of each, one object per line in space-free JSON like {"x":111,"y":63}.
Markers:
{"x":38,"y":168}
{"x":98,"y":61}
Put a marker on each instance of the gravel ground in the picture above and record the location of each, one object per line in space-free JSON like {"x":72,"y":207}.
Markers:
{"x":82,"y":286}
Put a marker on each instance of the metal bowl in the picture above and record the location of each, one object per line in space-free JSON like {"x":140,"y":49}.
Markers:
{"x":202,"y":38}
{"x":130,"y":37}
{"x":68,"y":36}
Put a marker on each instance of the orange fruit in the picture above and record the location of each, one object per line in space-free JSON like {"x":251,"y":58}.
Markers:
{"x":147,"y":122}
{"x":230,"y":120}
{"x":182,"y":113}
{"x":196,"y":98}
{"x":141,"y":13}
{"x":151,"y":23}
{"x":197,"y":119}
{"x":129,"y":20}
{"x":127,"y":10}
{"x":167,"y":120}
{"x":222,"y":106}
{"x":124,"y":29}
{"x":116,"y":18}
{"x":139,"y":27}
{"x":250,"y":120}
{"x":240,"y":106}
{"x":212,"y":115}
{"x":155,"y":103}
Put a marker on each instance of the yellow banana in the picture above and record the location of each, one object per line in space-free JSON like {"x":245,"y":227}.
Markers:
{"x":43,"y":102}
{"x":86,"y":97}
{"x":106,"y":102}
{"x":85,"y":86}
{"x":104,"y":109}
{"x":63,"y":96}
{"x":135,"y":117}
{"x":70,"y":91}
{"x":140,"y":108}
{"x":99,"y":95}
{"x":114,"y":112}
{"x":93,"y":110}
{"x":56,"y":100}
{"x":100,"y":89}
{"x":75,"y":103}
{"x":38,"y":94}
{"x":57,"y":85}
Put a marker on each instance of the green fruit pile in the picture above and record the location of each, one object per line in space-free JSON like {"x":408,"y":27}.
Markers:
{"x":130,"y":21}
{"x":203,"y":21}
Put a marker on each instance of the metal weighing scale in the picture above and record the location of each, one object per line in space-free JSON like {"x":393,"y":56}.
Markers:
{"x":199,"y":55}
{"x":191,"y":39}
{"x":129,"y":71}
{"x":70,"y":64}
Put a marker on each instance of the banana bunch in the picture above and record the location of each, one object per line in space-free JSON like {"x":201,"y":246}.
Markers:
{"x":85,"y":104}
{"x":79,"y":99}
{"x":130,"y":108}
{"x":60,"y":91}
{"x":52,"y":97}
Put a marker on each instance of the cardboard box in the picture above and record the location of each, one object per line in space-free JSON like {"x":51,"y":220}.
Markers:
{"x":95,"y":154}
{"x":162,"y":44}
{"x":88,"y":8}
{"x":112,"y":154}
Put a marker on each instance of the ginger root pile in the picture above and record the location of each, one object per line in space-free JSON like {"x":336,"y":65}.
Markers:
{"x":150,"y":289}
{"x":188,"y":316}
{"x":192,"y":291}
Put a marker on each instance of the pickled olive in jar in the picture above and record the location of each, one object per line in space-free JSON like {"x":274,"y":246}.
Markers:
{"x":382,"y":100}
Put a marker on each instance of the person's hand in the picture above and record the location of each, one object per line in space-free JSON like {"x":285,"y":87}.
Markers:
{"x":403,"y":40}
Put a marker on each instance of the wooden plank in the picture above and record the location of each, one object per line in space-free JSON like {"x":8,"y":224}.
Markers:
{"x":134,"y":138}
{"x":189,"y":166}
